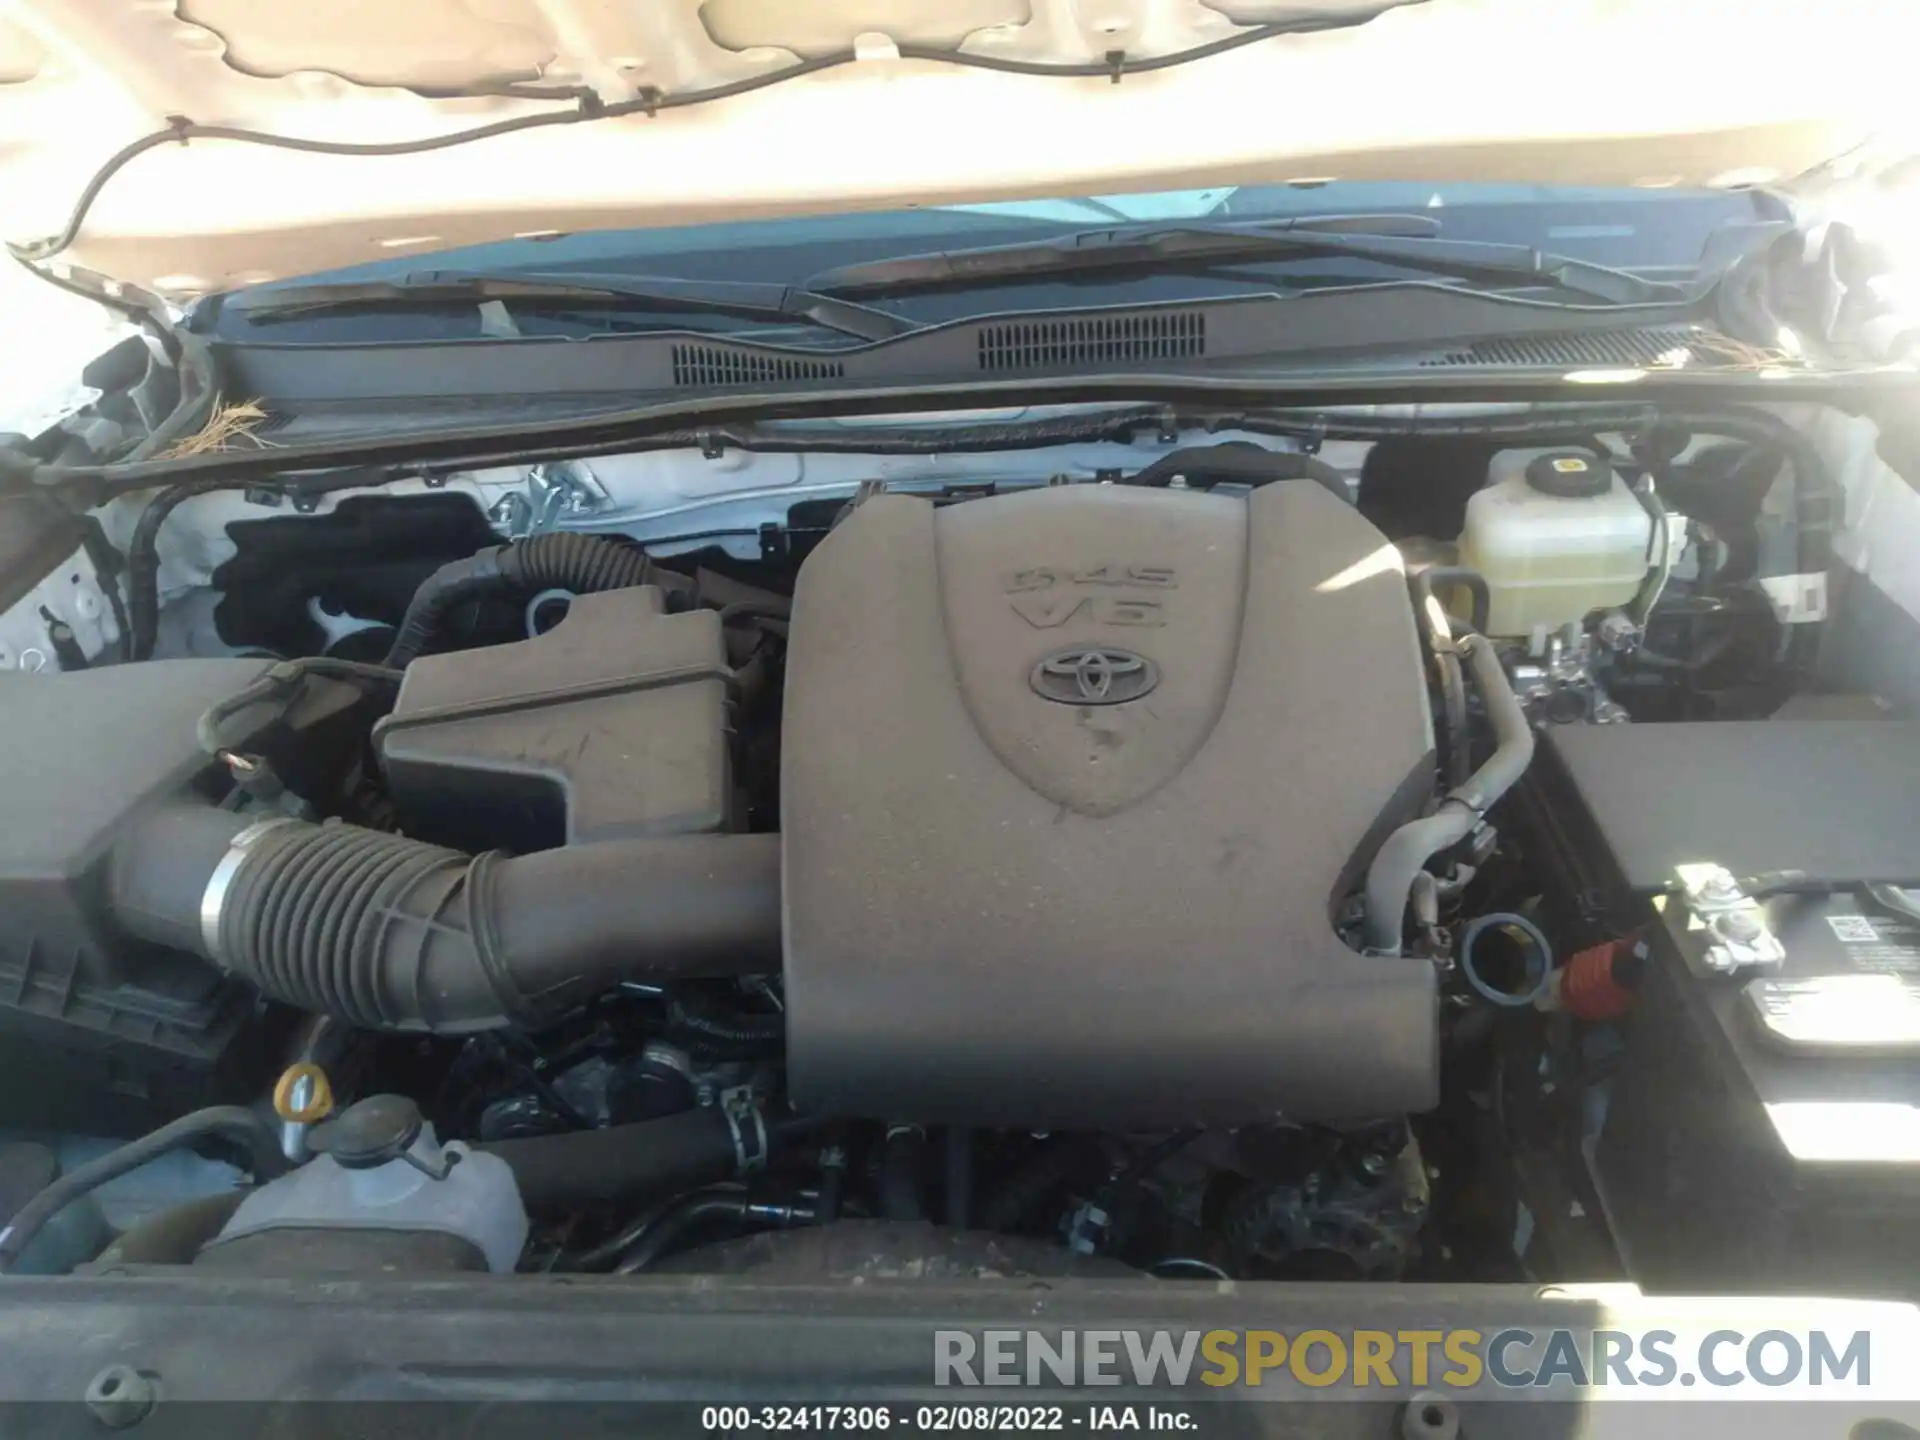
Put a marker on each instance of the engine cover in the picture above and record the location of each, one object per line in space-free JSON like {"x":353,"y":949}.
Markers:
{"x":1073,"y":780}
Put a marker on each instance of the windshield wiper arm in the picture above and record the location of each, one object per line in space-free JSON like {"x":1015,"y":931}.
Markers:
{"x":562,"y":290}
{"x":1198,"y":246}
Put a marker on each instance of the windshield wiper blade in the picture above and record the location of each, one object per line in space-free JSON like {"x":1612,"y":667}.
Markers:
{"x":1202,"y":245}
{"x":563,"y":290}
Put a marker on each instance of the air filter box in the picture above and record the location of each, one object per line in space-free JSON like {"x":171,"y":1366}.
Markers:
{"x":613,"y":723}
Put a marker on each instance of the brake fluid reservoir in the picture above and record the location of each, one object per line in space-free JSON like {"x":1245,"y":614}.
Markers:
{"x":1558,"y":535}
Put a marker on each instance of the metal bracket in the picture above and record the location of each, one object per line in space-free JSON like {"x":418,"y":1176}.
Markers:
{"x":556,"y":490}
{"x":1797,"y":599}
{"x":1737,"y":935}
{"x":742,"y":1109}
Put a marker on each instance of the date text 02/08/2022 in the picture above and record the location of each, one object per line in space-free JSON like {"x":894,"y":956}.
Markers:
{"x":936,"y":1419}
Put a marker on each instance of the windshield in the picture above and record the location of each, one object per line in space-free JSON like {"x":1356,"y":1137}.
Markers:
{"x":1657,"y":233}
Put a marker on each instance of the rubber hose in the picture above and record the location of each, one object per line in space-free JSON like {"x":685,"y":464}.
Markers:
{"x":231,"y":1122}
{"x":608,"y":1252}
{"x":1405,"y":852}
{"x":681,"y":1219}
{"x":646,"y":1160}
{"x":1241,"y":463}
{"x":1431,"y":616}
{"x":388,"y":933}
{"x":1436,"y":630}
{"x":689,"y":1213}
{"x":582,"y":564}
{"x":1512,"y":735}
{"x":1453,"y":706}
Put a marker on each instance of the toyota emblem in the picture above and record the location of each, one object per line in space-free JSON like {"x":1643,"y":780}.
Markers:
{"x":1093,"y":675}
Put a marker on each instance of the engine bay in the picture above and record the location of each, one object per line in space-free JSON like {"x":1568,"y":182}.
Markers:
{"x":1437,"y":857}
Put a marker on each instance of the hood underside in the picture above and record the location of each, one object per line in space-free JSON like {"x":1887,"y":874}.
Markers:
{"x":934,"y":101}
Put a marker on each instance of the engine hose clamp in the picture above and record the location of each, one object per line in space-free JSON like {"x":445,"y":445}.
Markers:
{"x":749,"y":1129}
{"x":214,"y":898}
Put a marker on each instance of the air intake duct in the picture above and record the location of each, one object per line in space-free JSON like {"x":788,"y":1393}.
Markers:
{"x":394,"y":934}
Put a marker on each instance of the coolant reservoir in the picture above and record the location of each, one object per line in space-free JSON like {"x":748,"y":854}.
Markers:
{"x":386,"y":1187}
{"x":1558,"y":535}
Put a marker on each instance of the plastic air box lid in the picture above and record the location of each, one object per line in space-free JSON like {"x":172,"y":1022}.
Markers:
{"x":611,"y":724}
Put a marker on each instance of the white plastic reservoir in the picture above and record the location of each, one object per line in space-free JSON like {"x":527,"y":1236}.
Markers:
{"x":1558,"y":535}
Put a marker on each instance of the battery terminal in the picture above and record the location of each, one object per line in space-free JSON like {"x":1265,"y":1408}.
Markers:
{"x":1731,"y":920}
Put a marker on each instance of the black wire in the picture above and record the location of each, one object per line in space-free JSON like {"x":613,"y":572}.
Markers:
{"x":588,"y":109}
{"x":280,"y":684}
{"x":143,"y":565}
{"x":107,"y":566}
{"x":1115,"y":64}
{"x":230,"y":1122}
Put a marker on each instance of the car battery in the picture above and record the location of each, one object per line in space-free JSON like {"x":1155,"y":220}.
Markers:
{"x":1761,"y":1124}
{"x":1763,"y":1131}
